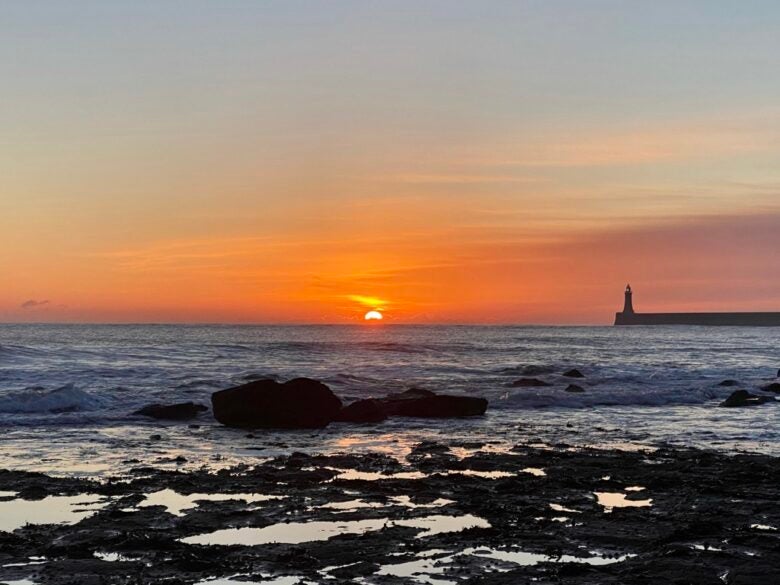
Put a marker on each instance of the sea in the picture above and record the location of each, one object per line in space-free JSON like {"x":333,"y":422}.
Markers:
{"x":68,"y":392}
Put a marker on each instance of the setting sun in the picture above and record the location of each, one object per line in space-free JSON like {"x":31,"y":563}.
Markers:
{"x":373,"y":316}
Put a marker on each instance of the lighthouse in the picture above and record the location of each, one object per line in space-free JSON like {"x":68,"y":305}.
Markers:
{"x":628,"y":305}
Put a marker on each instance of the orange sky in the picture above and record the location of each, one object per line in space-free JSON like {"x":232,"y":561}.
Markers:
{"x":278,"y":164}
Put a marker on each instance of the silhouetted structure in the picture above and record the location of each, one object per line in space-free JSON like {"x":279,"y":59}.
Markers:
{"x":629,"y":317}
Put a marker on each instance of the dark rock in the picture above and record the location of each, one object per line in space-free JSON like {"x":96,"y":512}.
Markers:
{"x":182,"y":411}
{"x":574,"y":388}
{"x":359,"y":569}
{"x":745,"y":398}
{"x":33,"y":492}
{"x":300,"y":403}
{"x":574,"y":373}
{"x":155,"y":437}
{"x":426,"y":404}
{"x":728,"y":383}
{"x":529,"y":383}
{"x":362,"y":411}
{"x":773,"y":387}
{"x":413,"y":393}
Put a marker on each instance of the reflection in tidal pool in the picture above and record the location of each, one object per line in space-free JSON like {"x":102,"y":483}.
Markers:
{"x":618,"y":500}
{"x":297,"y":532}
{"x":50,"y":510}
{"x":176,"y":503}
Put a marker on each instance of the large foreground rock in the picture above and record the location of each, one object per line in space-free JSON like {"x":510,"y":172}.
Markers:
{"x":300,"y":403}
{"x":181,"y":411}
{"x":745,"y":398}
{"x":426,"y":404}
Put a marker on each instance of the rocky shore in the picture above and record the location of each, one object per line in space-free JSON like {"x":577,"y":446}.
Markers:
{"x":449,"y":513}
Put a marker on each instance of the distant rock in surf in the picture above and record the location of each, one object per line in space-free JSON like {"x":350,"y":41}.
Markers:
{"x":728,"y":383}
{"x":573,"y":373}
{"x":300,"y":403}
{"x":574,"y":388}
{"x":362,"y":411}
{"x":529,"y":383}
{"x":745,"y":398}
{"x":773,"y":387}
{"x":181,"y":411}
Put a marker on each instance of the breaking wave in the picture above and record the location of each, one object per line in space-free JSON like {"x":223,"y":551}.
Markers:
{"x":64,"y":399}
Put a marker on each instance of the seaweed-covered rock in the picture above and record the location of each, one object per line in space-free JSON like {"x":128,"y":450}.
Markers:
{"x":300,"y":403}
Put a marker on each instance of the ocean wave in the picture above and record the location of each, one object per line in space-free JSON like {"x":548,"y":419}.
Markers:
{"x":528,"y":370}
{"x":12,"y":351}
{"x":66,"y":398}
{"x":195,"y":384}
{"x":608,"y":395}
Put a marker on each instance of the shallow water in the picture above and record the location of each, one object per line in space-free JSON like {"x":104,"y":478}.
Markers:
{"x":298,"y":532}
{"x":434,"y":564}
{"x":176,"y":504}
{"x":49,"y":510}
{"x":611,"y":500}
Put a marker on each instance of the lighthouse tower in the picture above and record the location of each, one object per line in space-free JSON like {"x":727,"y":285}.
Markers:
{"x":628,"y":305}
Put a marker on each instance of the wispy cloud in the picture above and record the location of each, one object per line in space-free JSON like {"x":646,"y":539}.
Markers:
{"x":372,"y":302}
{"x":34,"y":304}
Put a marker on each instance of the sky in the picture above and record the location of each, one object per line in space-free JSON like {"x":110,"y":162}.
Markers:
{"x":441,"y":161}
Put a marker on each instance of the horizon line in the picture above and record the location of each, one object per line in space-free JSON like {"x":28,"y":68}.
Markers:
{"x":298,"y":324}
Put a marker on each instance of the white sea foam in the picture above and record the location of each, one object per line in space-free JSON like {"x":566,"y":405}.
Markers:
{"x":66,"y":398}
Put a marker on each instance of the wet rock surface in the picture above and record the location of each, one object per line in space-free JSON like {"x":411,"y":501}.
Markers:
{"x":450,"y":513}
{"x":362,"y":411}
{"x":300,"y":403}
{"x":426,"y":404}
{"x":181,"y":411}
{"x":303,"y":403}
{"x":745,"y":398}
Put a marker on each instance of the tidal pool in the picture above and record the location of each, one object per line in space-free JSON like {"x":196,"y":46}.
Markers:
{"x":426,"y":569}
{"x":298,"y":532}
{"x":176,"y":503}
{"x":405,"y":501}
{"x":284,"y":580}
{"x":618,"y":500}
{"x":50,"y":510}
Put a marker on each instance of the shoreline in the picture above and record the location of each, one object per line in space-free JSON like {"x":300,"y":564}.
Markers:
{"x":453,"y":512}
